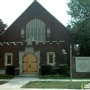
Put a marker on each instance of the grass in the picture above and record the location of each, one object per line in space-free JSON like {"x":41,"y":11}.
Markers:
{"x":6,"y":76}
{"x":2,"y":82}
{"x":54,"y":84}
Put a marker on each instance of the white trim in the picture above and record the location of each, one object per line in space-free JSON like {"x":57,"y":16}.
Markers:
{"x":13,"y":43}
{"x":51,"y":53}
{"x":58,"y":43}
{"x":54,"y":41}
{"x":36,"y":43}
{"x":47,"y":41}
{"x":61,"y":41}
{"x":23,"y":53}
{"x":6,"y":54}
{"x":43,"y":42}
{"x":19,"y":43}
{"x":1,"y":44}
{"x":6,"y":43}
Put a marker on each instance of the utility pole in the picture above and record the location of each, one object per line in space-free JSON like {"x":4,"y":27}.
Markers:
{"x":70,"y":65}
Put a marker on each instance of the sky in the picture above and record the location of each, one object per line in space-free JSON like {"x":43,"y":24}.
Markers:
{"x":10,"y":10}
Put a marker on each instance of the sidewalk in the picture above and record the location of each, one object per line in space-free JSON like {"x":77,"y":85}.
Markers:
{"x":17,"y":82}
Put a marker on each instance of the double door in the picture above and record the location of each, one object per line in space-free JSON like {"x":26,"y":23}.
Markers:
{"x":29,"y":64}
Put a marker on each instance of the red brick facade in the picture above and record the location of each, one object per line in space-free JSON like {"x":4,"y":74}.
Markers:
{"x":60,"y":38}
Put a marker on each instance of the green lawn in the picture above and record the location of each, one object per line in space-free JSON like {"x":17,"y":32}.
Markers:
{"x":54,"y":84}
{"x":2,"y":82}
{"x":6,"y":76}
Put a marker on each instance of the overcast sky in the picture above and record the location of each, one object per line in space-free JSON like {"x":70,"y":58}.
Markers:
{"x":10,"y":10}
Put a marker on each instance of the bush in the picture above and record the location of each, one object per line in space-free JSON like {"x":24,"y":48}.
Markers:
{"x":10,"y":70}
{"x":46,"y":69}
{"x":63,"y":69}
{"x":6,"y":76}
{"x":57,"y":76}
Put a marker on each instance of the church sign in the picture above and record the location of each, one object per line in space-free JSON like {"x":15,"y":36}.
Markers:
{"x":82,"y":64}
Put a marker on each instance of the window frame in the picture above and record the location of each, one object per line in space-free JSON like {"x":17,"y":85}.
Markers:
{"x":36,"y":25}
{"x":51,"y":53}
{"x":22,"y":32}
{"x":6,"y":59}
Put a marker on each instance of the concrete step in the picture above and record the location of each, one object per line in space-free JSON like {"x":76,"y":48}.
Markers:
{"x":28,"y":75}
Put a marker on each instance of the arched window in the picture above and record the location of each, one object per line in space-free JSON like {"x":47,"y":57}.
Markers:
{"x":36,"y":29}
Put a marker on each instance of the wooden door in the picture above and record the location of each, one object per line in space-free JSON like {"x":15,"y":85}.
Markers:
{"x":29,"y":64}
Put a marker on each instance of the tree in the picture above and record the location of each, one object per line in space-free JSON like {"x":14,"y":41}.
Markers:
{"x":2,"y":26}
{"x":79,"y":10}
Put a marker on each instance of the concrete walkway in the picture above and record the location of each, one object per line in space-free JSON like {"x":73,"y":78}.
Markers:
{"x":17,"y":82}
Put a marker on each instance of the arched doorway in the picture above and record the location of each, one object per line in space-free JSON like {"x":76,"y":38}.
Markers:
{"x":29,"y":64}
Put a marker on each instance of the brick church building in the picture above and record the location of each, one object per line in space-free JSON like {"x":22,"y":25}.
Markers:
{"x":36,"y":37}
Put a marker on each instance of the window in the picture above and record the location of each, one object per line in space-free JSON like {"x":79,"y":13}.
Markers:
{"x":36,"y":29}
{"x":51,"y":58}
{"x":22,"y":33}
{"x":48,"y":33}
{"x":8,"y":59}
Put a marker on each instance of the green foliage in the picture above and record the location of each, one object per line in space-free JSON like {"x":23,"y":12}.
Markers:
{"x":10,"y":70}
{"x":79,"y":10}
{"x":2,"y":26}
{"x":6,"y":76}
{"x":3,"y":82}
{"x":63,"y":69}
{"x":56,"y":76}
{"x":45,"y":69}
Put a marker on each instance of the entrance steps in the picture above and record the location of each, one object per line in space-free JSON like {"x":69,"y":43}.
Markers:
{"x":28,"y":75}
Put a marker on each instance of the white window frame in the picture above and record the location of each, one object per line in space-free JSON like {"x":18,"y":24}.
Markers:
{"x":48,"y":31}
{"x":22,"y":32}
{"x":36,"y":24}
{"x":51,"y":53}
{"x":6,"y":54}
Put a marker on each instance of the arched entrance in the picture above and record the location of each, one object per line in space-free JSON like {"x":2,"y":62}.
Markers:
{"x":29,"y":64}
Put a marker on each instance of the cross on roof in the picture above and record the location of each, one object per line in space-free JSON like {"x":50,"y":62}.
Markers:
{"x":35,"y":0}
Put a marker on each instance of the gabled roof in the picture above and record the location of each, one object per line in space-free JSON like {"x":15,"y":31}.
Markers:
{"x":35,"y":10}
{"x":34,"y":5}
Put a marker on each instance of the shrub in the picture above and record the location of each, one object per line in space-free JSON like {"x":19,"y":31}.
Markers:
{"x":6,"y":76}
{"x":57,"y":76}
{"x":10,"y":70}
{"x":45,"y":69}
{"x":63,"y":69}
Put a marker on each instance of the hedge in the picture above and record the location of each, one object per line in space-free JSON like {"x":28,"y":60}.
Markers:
{"x":45,"y":69}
